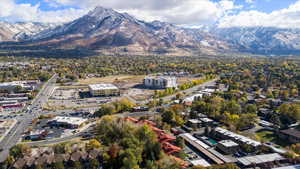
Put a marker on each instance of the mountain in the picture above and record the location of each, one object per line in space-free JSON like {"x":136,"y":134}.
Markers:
{"x":109,"y":31}
{"x":262,"y":40}
{"x":21,"y":30}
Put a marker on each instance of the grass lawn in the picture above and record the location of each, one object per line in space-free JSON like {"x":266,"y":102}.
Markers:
{"x":270,"y":136}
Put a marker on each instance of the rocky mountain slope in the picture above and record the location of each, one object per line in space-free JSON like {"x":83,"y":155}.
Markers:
{"x":21,"y":30}
{"x":108,"y":31}
{"x":262,"y":40}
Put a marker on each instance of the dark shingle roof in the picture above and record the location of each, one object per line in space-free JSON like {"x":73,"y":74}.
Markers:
{"x":291,"y":132}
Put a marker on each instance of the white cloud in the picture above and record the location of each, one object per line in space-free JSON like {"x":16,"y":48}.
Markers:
{"x":11,"y":11}
{"x":249,"y":1}
{"x":284,"y":18}
{"x":183,"y":12}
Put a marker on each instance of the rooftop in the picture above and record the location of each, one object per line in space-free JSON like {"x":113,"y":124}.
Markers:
{"x":200,"y":162}
{"x":228,"y":143}
{"x":161,"y":77}
{"x":259,"y":159}
{"x":194,"y":121}
{"x":70,"y":120}
{"x":102,"y":86}
{"x":291,"y":132}
{"x":289,"y":167}
{"x":235,"y":136}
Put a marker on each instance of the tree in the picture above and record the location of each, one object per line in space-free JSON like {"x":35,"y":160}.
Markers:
{"x":19,"y":150}
{"x":251,"y":108}
{"x":168,"y":116}
{"x":94,"y":164}
{"x":105,"y":110}
{"x":232,"y":107}
{"x":93,"y":144}
{"x":58,"y":165}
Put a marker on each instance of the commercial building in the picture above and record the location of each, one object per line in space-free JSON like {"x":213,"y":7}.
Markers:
{"x":228,"y":146}
{"x":104,"y":90}
{"x":67,"y":122}
{"x":12,"y":86}
{"x":160,"y":82}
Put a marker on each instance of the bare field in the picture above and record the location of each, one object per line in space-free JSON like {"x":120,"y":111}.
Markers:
{"x":113,"y":79}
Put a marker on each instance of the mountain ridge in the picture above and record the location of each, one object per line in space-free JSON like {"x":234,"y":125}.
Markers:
{"x":109,"y":31}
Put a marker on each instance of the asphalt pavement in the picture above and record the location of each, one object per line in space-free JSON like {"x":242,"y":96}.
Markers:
{"x":30,"y":112}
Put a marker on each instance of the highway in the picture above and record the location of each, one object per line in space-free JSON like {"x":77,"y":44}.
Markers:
{"x":30,"y":112}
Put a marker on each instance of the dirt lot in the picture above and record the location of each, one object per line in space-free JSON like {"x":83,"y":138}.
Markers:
{"x":113,"y":79}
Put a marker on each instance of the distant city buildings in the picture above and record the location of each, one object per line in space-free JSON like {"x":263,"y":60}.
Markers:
{"x":160,"y":82}
{"x":104,"y":90}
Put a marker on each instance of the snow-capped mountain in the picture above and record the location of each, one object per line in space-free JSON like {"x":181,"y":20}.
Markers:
{"x":262,"y":40}
{"x":107,"y":30}
{"x":21,"y":30}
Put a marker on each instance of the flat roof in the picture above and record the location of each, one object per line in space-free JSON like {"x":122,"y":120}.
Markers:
{"x":258,"y":159}
{"x":228,"y":143}
{"x":238,"y":137}
{"x":289,"y":167}
{"x":200,"y":162}
{"x":102,"y":86}
{"x":70,"y":120}
{"x":202,"y":147}
{"x":160,"y":77}
{"x":194,"y":121}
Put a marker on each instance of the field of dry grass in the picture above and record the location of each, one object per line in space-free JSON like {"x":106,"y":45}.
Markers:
{"x":113,"y":79}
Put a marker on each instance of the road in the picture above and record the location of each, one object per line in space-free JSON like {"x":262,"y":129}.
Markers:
{"x":30,"y":112}
{"x":34,"y":110}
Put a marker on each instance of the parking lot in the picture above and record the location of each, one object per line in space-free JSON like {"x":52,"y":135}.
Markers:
{"x":75,"y":99}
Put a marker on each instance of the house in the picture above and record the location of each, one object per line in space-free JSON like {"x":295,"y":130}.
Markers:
{"x":104,"y":90}
{"x":160,"y":82}
{"x":228,"y":146}
{"x":292,"y":135}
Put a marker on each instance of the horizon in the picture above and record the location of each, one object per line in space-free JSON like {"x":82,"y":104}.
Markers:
{"x":219,"y":13}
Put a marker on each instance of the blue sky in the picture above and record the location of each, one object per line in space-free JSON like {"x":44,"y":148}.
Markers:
{"x":225,"y":13}
{"x":259,"y":5}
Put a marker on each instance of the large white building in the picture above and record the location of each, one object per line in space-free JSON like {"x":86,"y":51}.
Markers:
{"x":160,"y":82}
{"x":104,"y":90}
